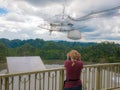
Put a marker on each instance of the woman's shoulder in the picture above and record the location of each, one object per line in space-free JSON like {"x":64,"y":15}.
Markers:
{"x":67,"y":62}
{"x":80,"y":63}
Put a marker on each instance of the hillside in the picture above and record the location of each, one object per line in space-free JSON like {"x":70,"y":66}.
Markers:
{"x":56,"y":50}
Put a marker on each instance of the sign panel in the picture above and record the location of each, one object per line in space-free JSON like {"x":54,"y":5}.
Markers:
{"x":24,"y":64}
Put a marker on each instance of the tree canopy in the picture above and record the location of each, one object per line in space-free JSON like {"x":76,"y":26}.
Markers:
{"x":57,"y":50}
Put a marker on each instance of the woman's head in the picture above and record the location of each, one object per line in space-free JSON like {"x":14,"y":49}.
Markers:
{"x":74,"y":55}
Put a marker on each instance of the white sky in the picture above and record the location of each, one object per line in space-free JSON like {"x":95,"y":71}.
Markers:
{"x":23,"y":17}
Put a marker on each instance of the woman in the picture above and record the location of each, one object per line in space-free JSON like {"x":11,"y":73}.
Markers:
{"x":73,"y":71}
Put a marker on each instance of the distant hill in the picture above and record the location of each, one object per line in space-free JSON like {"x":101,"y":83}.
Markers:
{"x":66,"y":43}
{"x":37,"y":43}
{"x":103,"y":52}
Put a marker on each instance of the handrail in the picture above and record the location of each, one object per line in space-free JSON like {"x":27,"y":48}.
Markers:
{"x":33,"y":72}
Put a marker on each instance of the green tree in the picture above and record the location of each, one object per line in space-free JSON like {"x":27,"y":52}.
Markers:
{"x":3,"y":52}
{"x":26,"y":50}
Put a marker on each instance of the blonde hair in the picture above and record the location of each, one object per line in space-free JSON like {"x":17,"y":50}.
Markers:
{"x":74,"y":55}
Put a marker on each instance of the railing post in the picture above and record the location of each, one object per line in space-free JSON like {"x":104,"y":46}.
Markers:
{"x":61,"y":79}
{"x":6,"y":83}
{"x":98,"y":79}
{"x":0,"y":83}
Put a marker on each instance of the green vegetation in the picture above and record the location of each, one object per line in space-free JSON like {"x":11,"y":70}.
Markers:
{"x":56,"y":50}
{"x":3,"y":66}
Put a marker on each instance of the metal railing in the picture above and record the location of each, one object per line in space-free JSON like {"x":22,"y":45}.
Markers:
{"x":94,"y":77}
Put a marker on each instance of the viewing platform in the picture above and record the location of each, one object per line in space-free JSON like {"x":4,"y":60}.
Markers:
{"x":94,"y":77}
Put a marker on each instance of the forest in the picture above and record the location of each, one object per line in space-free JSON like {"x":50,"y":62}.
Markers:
{"x":104,"y":52}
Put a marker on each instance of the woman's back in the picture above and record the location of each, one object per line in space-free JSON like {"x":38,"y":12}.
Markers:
{"x":73,"y":73}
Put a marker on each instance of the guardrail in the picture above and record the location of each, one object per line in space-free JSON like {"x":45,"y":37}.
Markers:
{"x":101,"y":76}
{"x":94,"y":77}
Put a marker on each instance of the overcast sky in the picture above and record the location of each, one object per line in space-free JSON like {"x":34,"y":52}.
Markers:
{"x":19,"y":19}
